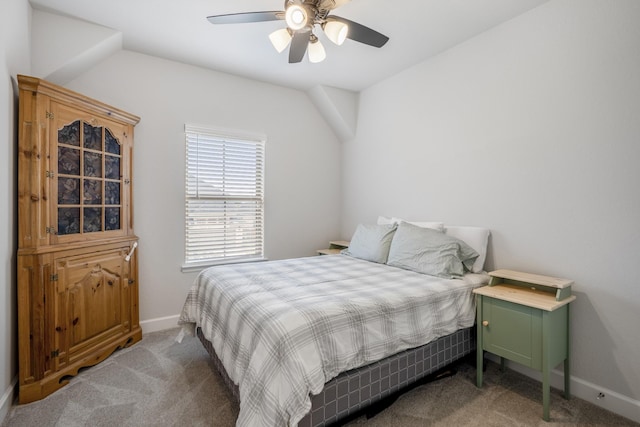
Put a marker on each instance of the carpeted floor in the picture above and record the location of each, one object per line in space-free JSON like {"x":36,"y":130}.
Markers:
{"x":159,"y":382}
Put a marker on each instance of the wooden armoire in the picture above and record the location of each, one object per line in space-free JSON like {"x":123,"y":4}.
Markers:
{"x":77,"y":260}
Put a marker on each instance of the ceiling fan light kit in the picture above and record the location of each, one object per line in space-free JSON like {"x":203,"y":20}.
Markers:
{"x":296,"y":17}
{"x":336,"y":31}
{"x":280,"y":39}
{"x":316,"y":51}
{"x":301,"y":16}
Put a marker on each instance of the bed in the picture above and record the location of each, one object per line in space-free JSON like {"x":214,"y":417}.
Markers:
{"x":309,"y":341}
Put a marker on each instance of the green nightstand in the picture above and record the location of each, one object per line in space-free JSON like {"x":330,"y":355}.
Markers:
{"x":525,"y":318}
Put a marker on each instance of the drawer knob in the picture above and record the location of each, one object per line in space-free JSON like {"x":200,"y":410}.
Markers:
{"x":485,"y":323}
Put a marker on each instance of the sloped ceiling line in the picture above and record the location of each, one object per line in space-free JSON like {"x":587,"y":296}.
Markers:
{"x":63,"y":48}
{"x":339,"y":108}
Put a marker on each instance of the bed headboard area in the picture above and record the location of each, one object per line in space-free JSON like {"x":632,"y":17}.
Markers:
{"x":428,"y":247}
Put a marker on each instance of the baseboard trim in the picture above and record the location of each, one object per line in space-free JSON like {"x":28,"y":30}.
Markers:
{"x":7,"y":400}
{"x":159,"y":324}
{"x":585,"y":390}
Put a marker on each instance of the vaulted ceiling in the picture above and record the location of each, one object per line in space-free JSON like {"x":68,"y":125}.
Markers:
{"x":179,"y":31}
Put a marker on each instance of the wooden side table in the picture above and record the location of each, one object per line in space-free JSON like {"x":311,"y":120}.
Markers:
{"x":335,"y":246}
{"x":525,"y":318}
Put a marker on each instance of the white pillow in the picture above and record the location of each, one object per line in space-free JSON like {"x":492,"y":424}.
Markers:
{"x":476,"y":237}
{"x":424,"y":224}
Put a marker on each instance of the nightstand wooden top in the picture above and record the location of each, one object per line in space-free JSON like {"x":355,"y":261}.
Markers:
{"x":526,"y":296}
{"x":335,"y":247}
{"x":536,"y":279}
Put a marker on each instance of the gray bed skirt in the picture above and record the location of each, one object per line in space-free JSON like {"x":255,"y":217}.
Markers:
{"x":352,"y":391}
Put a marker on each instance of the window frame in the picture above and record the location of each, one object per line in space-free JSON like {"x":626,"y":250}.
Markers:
{"x":235,"y":138}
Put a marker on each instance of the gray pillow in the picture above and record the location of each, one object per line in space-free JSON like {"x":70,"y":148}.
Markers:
{"x":429,"y":251}
{"x":371,"y":242}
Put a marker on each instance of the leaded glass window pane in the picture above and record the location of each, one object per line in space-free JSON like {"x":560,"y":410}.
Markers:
{"x":92,"y":164}
{"x":112,"y":219}
{"x":111,"y":143}
{"x":70,"y":134}
{"x":68,"y":161}
{"x":112,"y":193}
{"x":68,"y":221}
{"x":92,"y":192}
{"x":112,"y":167}
{"x":92,"y":137}
{"x":92,"y":220}
{"x":68,"y":191}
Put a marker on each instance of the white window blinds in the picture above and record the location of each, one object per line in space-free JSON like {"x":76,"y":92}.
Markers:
{"x":224,"y":197}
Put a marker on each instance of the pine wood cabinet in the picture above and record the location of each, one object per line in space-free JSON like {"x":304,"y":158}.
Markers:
{"x":77,"y":260}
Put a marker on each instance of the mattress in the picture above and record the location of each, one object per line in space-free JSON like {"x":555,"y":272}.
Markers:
{"x":282,"y":329}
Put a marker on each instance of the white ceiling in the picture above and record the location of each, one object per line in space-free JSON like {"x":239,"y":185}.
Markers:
{"x":178,"y":30}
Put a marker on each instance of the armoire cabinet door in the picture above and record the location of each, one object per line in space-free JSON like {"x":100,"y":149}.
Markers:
{"x":91,"y":177}
{"x":92,"y":302}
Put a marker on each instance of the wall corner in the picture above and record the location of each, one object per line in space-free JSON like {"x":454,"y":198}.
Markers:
{"x":339,"y":108}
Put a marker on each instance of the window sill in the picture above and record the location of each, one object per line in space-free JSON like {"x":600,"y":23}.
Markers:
{"x":197,"y":267}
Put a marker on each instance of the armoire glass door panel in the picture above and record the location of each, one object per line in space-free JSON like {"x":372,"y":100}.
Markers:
{"x":89,"y":178}
{"x":112,"y":193}
{"x":92,"y":164}
{"x":68,"y":191}
{"x":112,"y":218}
{"x":112,"y":167}
{"x":70,"y":134}
{"x":92,"y":220}
{"x":111,"y":143}
{"x":92,"y":192}
{"x":92,"y":137}
{"x":68,"y":221}
{"x":68,"y":160}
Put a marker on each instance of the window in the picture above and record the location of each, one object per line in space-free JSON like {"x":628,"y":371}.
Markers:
{"x":224,"y":192}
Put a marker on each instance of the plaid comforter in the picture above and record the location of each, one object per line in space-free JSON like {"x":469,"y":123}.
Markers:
{"x":284,"y":328}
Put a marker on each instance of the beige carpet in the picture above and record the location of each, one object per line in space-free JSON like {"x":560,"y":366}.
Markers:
{"x":159,"y":382}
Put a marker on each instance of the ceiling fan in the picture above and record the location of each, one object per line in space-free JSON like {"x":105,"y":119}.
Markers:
{"x":301,"y":16}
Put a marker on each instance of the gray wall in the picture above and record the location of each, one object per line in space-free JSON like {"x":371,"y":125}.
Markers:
{"x":14,"y":59}
{"x":530,"y":129}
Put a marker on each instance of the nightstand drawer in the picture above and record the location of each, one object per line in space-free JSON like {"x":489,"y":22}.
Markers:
{"x":513,"y":331}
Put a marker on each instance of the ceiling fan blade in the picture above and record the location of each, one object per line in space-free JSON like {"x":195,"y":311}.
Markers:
{"x":362,"y":34}
{"x":299,"y":44}
{"x":246,"y":17}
